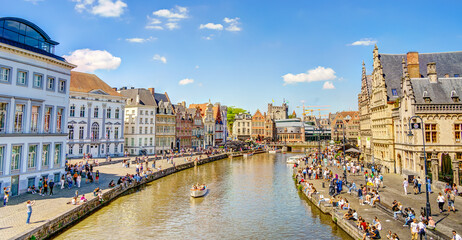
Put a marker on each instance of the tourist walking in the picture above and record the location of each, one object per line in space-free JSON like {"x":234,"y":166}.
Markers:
{"x":79,"y":180}
{"x":6,"y":195}
{"x":414,"y":230}
{"x":51,"y":185}
{"x":405,"y":184}
{"x":440,"y":199}
{"x":29,"y":210}
{"x":45,"y":187}
{"x":451,"y":198}
{"x":97,"y":176}
{"x":40,"y":185}
{"x":62,"y":181}
{"x":455,"y":236}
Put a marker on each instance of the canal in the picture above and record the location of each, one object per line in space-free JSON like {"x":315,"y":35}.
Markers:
{"x":252,"y":198}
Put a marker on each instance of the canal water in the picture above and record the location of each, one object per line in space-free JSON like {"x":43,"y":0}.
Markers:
{"x":253,"y":198}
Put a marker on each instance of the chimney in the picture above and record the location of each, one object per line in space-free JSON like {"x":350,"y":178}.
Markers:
{"x":151,"y":90}
{"x":137,"y":98}
{"x":431,"y":72}
{"x":413,"y":64}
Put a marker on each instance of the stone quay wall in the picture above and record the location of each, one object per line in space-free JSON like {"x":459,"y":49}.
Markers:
{"x":60,"y":223}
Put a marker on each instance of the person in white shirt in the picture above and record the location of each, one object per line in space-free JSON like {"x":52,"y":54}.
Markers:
{"x":455,"y":236}
{"x":441,"y":200}
{"x":414,"y":229}
{"x":405,"y":184}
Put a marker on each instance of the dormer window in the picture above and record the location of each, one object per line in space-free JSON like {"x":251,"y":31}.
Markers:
{"x":426,"y":98}
{"x":454,"y":96}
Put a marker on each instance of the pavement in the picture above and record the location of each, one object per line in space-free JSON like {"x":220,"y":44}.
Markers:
{"x":13,"y":216}
{"x":393,"y":190}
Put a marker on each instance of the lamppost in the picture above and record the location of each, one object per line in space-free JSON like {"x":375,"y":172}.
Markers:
{"x":417,"y":126}
{"x":319,"y":144}
{"x":344,"y":155}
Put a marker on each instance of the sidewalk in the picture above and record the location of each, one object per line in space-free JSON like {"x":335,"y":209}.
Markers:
{"x":13,"y":216}
{"x":393,"y":190}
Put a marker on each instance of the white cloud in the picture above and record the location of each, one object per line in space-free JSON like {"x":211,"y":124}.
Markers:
{"x":186,"y":81}
{"x":175,"y":13}
{"x":90,"y":60}
{"x":364,"y":42}
{"x":172,"y":16}
{"x":162,"y":59}
{"x":232,"y":24}
{"x":328,"y":85}
{"x":140,"y":40}
{"x":172,"y":25}
{"x":103,"y":8}
{"x":312,"y":75}
{"x":212,"y":26}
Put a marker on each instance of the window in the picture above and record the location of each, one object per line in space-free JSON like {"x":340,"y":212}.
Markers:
{"x":62,"y":86}
{"x":57,"y":156}
{"x":141,"y":112}
{"x":107,"y":149}
{"x":116,"y":148}
{"x":3,"y":111}
{"x":146,"y":120}
{"x":141,"y":130}
{"x":72,"y":111}
{"x":71,"y":132}
{"x":146,"y":130}
{"x":116,"y":133}
{"x":22,"y":78}
{"x":2,"y":158}
{"x":32,"y":158}
{"x":140,"y":142}
{"x":59,"y":120}
{"x":141,"y":120}
{"x":18,"y":118}
{"x":81,"y":132}
{"x":457,"y":131}
{"x":108,"y":113}
{"x":150,"y":141}
{"x":16,"y":155}
{"x":95,"y":131}
{"x":34,"y":119}
{"x":133,"y":141}
{"x":145,"y":141}
{"x":4,"y":74}
{"x":133,"y":129}
{"x":81,"y":149}
{"x":51,"y":83}
{"x":430,"y":133}
{"x":37,"y":82}
{"x":96,"y":112}
{"x":117,"y":113}
{"x":82,"y":111}
{"x":45,"y":154}
{"x":47,"y":121}
{"x":108,"y":132}
{"x":71,"y":150}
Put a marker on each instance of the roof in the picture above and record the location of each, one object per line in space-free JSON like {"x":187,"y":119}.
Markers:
{"x":446,"y":63}
{"x":202,"y":107}
{"x":439,"y":93}
{"x":162,"y":97}
{"x":90,"y":83}
{"x":145,"y":97}
{"x":33,"y":26}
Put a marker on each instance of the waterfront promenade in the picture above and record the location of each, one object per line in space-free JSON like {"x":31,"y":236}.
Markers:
{"x":13,"y":216}
{"x":393,"y":190}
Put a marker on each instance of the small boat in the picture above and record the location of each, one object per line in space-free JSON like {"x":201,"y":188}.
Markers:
{"x":272,"y":151}
{"x":294,"y":159}
{"x":199,"y":192}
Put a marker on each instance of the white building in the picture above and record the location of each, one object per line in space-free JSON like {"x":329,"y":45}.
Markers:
{"x":34,"y":100}
{"x":96,"y":118}
{"x":242,"y":126}
{"x":140,"y":121}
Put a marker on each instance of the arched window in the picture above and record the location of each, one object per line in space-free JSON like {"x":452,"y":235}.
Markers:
{"x":95,"y":131}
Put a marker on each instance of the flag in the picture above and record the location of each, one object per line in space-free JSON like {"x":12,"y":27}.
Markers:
{"x":272,"y":100}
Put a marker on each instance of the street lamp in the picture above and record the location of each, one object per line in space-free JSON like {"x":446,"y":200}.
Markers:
{"x":319,"y":144}
{"x":417,"y":126}
{"x":344,"y":155}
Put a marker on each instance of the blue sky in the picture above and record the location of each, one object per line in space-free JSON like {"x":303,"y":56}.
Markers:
{"x":243,"y":53}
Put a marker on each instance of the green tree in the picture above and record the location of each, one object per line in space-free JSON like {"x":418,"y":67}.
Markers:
{"x":232,"y":111}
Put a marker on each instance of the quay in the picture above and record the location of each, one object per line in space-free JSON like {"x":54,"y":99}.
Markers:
{"x":53,"y":214}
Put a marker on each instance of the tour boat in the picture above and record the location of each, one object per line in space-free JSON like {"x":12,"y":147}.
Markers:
{"x":294,"y":159}
{"x":199,"y":192}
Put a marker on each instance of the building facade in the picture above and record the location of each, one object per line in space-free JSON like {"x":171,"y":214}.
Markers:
{"x":34,"y":101}
{"x":364,"y":103}
{"x":184,"y":125}
{"x":278,"y":112}
{"x":290,"y":130}
{"x":242,"y":127}
{"x":258,"y":126}
{"x":140,"y":121}
{"x":96,"y":118}
{"x":165,"y":124}
{"x":346,"y":123}
{"x":220,"y":126}
{"x":270,"y":129}
{"x":197,"y":138}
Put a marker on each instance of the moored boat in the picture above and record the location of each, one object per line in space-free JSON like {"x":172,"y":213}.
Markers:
{"x":294,"y":159}
{"x":199,"y":191}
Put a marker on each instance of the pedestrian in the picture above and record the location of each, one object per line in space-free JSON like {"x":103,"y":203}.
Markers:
{"x":455,"y":236}
{"x":429,"y":184}
{"x":40,"y":185}
{"x":51,"y":185}
{"x":416,"y":185}
{"x":422,"y":229}
{"x":451,"y":198}
{"x":29,"y":210}
{"x":79,"y":180}
{"x":62,"y":181}
{"x":405,"y":184}
{"x":97,"y":176}
{"x":419,"y":184}
{"x":45,"y":187}
{"x":6,"y":195}
{"x":440,"y":199}
{"x":414,"y":230}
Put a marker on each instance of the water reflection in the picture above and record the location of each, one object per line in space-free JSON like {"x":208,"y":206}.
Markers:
{"x":252,"y":198}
